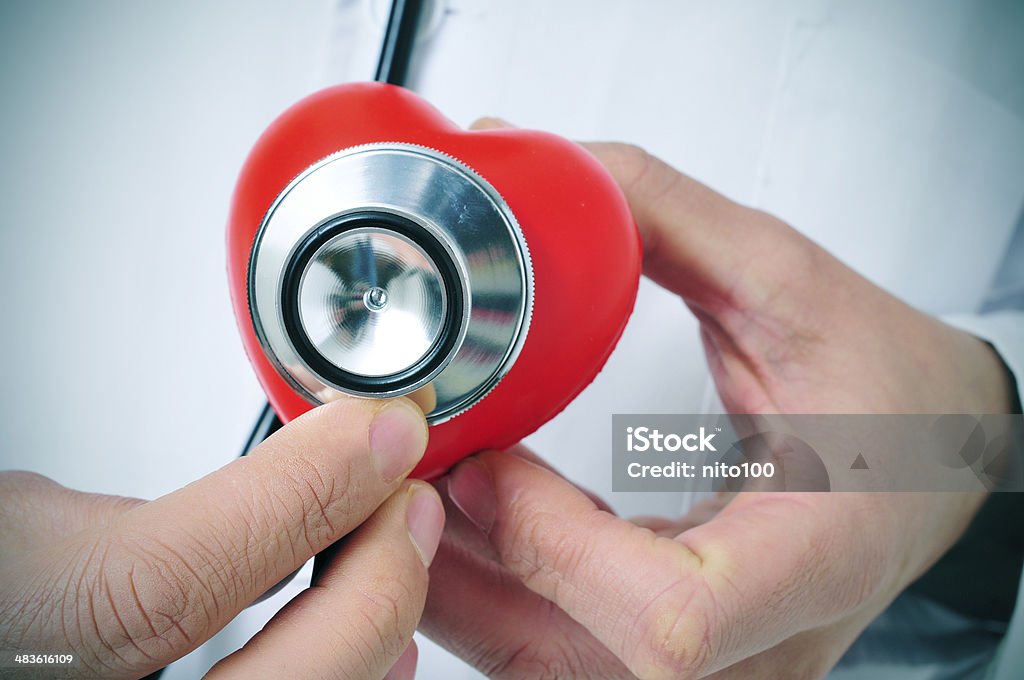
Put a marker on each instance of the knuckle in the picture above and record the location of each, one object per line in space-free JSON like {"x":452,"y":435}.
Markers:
{"x":673,"y":638}
{"x":631,"y":156}
{"x":128,"y":609}
{"x":646,"y":175}
{"x":157,"y":603}
{"x":568,"y":551}
{"x":387,"y":619}
{"x":789,"y":252}
{"x":14,"y":480}
{"x":395,"y":604}
{"x":314,"y":493}
{"x":525,"y":541}
{"x":531,"y":660}
{"x":543,"y":658}
{"x":631,"y":163}
{"x":20,"y":488}
{"x":544,"y":554}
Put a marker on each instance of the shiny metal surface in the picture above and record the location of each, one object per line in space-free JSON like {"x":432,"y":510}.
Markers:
{"x":372,"y":302}
{"x":484,"y":316}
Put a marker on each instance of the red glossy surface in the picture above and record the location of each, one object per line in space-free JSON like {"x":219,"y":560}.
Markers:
{"x":581,"y":236}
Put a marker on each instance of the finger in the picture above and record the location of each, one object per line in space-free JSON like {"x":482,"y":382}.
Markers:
{"x":405,"y":667}
{"x":358,"y":617}
{"x":608,"y":574}
{"x":523,"y":635}
{"x":383,"y":564}
{"x":489,"y":123}
{"x":425,"y":397}
{"x":204,"y":552}
{"x":670,"y":607}
{"x":526,"y":454}
{"x":702,"y":512}
{"x":35,"y":510}
{"x":697,"y":242}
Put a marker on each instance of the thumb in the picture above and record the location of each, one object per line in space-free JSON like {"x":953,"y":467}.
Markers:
{"x":179,"y":568}
{"x":619,"y":581}
{"x":691,"y":605}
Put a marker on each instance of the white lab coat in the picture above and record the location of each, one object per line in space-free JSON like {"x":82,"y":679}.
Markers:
{"x":891,"y":133}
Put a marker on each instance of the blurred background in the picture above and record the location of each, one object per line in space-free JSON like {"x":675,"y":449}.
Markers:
{"x":122,"y":130}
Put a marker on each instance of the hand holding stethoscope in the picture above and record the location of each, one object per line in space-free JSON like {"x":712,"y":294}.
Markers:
{"x":102,"y":586}
{"x":120,"y":587}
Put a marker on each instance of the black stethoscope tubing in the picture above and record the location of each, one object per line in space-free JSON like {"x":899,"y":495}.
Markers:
{"x":392,"y":67}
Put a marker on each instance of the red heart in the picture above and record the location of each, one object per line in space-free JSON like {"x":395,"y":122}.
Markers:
{"x":582,"y":240}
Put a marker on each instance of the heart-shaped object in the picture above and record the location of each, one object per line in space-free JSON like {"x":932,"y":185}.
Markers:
{"x":375,"y":248}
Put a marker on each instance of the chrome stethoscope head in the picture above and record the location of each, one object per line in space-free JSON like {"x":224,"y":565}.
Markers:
{"x":387,"y":269}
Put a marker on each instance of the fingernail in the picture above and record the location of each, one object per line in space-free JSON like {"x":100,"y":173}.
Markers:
{"x":425,"y":397}
{"x":425,"y":519}
{"x":472,"y":490}
{"x":398,"y":438}
{"x":490,"y":123}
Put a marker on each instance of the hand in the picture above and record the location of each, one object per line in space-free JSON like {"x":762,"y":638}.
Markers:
{"x":128,"y":586}
{"x":534,"y":578}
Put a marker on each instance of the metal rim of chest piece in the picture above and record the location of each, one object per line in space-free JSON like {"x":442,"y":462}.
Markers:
{"x":390,"y":268}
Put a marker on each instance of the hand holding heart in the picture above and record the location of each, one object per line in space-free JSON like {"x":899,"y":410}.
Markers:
{"x":536,"y":578}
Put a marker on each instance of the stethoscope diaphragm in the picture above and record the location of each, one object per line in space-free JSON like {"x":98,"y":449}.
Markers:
{"x":391,"y":268}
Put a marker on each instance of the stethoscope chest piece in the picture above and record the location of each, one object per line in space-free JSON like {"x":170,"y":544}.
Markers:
{"x":376,"y":249}
{"x":387,"y":269}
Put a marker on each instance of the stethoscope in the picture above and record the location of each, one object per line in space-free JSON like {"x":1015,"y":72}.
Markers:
{"x":393,"y":65}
